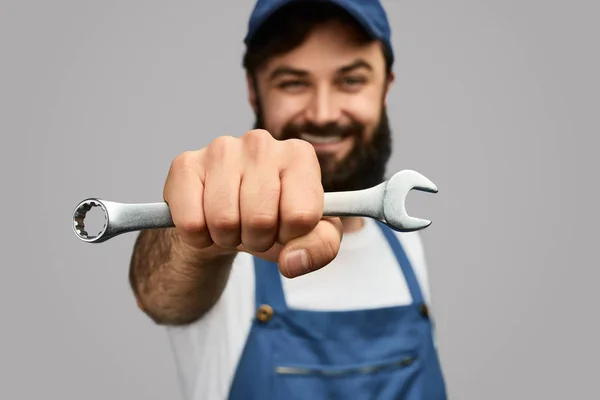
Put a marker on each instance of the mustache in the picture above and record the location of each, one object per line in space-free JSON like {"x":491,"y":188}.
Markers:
{"x":293,"y":131}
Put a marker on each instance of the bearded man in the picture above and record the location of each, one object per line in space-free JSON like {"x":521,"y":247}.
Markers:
{"x":261,"y":297}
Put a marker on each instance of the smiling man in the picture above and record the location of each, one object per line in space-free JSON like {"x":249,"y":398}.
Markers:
{"x":262,"y":296}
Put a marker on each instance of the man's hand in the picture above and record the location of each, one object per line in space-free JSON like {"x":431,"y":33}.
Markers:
{"x":254,"y":194}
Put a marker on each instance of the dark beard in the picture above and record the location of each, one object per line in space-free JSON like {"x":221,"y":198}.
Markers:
{"x":362,"y":168}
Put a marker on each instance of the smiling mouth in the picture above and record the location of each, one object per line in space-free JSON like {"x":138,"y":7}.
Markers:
{"x":317,"y":139}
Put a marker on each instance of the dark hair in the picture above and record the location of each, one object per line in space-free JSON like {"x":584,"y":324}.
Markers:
{"x":288,"y":27}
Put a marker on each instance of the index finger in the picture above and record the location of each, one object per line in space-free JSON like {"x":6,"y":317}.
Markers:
{"x":183,"y":192}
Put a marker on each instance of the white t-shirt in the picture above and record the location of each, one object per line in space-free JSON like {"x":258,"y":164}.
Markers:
{"x":365,"y":274}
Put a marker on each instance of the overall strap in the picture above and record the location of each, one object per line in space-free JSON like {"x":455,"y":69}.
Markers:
{"x":268,"y":288}
{"x":405,"y":265}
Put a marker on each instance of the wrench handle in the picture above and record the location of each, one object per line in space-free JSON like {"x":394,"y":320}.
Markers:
{"x":128,"y":217}
{"x":135,"y":217}
{"x":383,"y":202}
{"x":356,"y":203}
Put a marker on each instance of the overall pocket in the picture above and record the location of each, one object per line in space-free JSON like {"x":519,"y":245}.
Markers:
{"x":382,"y":380}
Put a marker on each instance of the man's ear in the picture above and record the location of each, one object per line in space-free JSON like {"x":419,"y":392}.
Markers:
{"x":390,"y":80}
{"x":252,"y":95}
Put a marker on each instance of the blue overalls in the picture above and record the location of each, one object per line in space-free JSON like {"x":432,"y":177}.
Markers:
{"x":385,"y":353}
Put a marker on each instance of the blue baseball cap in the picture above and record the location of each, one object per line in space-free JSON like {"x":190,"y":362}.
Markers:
{"x":370,"y":14}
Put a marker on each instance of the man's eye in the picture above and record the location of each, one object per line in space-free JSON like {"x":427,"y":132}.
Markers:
{"x":291,"y":84}
{"x":352,"y":81}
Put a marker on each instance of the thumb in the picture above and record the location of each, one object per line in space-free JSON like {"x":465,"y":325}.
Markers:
{"x":313,"y":251}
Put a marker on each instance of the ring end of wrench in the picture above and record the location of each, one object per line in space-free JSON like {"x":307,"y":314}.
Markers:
{"x":79,"y":216}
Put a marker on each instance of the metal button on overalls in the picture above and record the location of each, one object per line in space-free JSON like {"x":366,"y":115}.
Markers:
{"x":424,"y":310}
{"x":264,"y":313}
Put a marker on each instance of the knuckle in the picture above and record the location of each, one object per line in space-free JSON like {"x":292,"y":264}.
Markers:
{"x":222,"y":141}
{"x":306,"y":218}
{"x":256,"y":142}
{"x":184,"y":160}
{"x":329,"y":248}
{"x":192,"y":226}
{"x":257,"y":136}
{"x":301,"y":148}
{"x":261,"y":222}
{"x":323,"y":250}
{"x":225,"y":223}
{"x":221,"y":145}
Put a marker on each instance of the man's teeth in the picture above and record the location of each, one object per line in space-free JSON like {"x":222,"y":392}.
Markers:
{"x":320,"y":139}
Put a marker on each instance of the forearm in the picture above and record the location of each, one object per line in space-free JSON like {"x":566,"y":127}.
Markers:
{"x":175,"y":284}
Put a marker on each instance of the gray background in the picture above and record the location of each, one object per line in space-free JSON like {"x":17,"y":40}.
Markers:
{"x":496,"y":101}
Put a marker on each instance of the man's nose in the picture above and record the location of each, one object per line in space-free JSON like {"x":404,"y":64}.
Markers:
{"x":323,"y":107}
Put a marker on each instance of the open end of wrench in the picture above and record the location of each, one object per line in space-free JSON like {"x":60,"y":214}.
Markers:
{"x":394,"y":206}
{"x":81,"y":217}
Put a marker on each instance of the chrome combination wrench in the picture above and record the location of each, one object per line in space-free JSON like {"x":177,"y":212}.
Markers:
{"x":384,"y":202}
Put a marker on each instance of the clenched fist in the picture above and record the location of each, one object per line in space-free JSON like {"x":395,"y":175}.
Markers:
{"x":254,"y":194}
